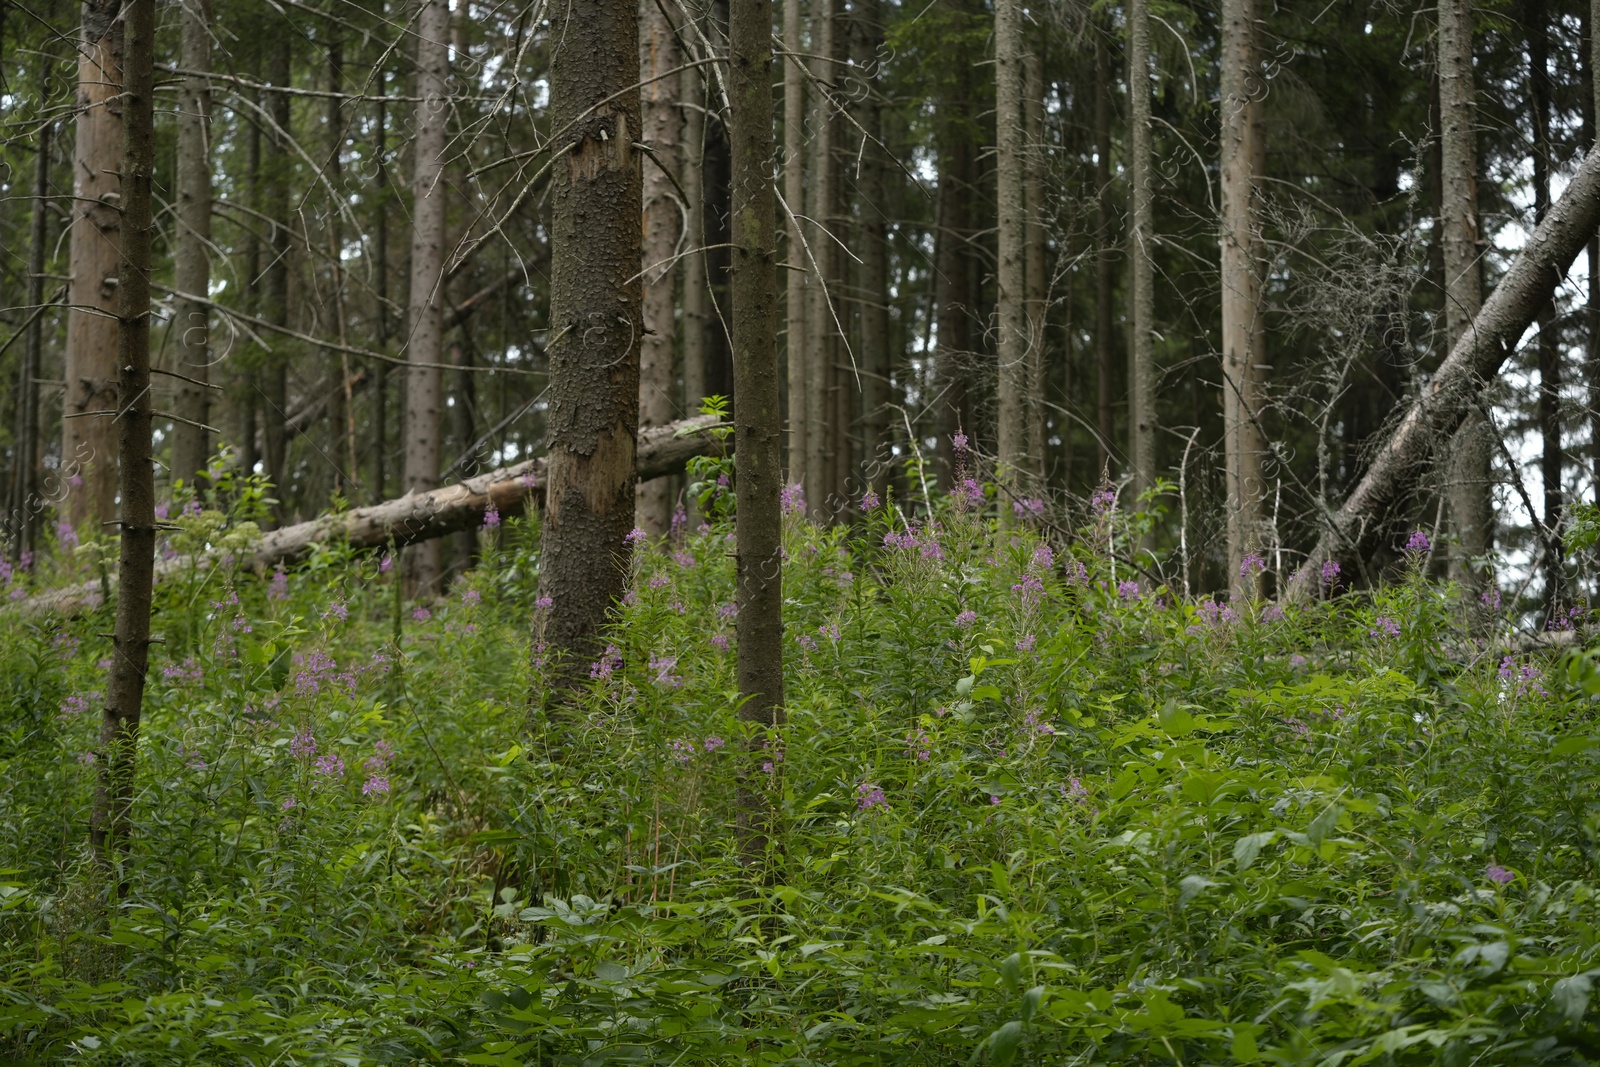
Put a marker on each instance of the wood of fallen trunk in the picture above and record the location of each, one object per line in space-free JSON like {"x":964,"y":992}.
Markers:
{"x":1456,"y":389}
{"x":418,"y":517}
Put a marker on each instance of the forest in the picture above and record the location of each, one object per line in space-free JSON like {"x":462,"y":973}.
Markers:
{"x":807,"y":532}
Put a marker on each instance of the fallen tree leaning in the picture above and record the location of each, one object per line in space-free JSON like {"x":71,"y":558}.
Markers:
{"x":1457,"y":386}
{"x":421,"y":516}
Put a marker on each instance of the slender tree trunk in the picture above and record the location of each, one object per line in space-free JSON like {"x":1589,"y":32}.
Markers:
{"x":758,"y":454}
{"x":1549,"y":346}
{"x":1141,"y":250}
{"x":1472,"y":448}
{"x":1240,"y":289}
{"x":794,"y":196}
{"x":596,"y":320}
{"x":275,"y":279}
{"x":1590,"y":140}
{"x":425,"y":343}
{"x":380,"y":285}
{"x":877,"y":367}
{"x":663,"y":130}
{"x":341,"y":427}
{"x":26,"y":503}
{"x":1105,"y":329}
{"x":191,"y":443}
{"x":247,"y":373}
{"x":1012,"y":312}
{"x":119,"y":730}
{"x":89,"y":441}
{"x":822,"y":437}
{"x":1034,"y":280}
{"x":1458,"y":385}
{"x":692,"y":95}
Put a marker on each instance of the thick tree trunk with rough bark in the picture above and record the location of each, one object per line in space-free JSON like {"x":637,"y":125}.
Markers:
{"x":421,"y":517}
{"x":191,"y":442}
{"x":1241,"y":289}
{"x":794,"y":196}
{"x":119,"y":729}
{"x":758,"y":432}
{"x":425,"y":338}
{"x":663,"y":229}
{"x":595,"y":324}
{"x":1141,"y":252}
{"x":1011,"y":311}
{"x":1471,"y":507}
{"x":1456,"y":388}
{"x":89,"y":440}
{"x":1105,"y":339}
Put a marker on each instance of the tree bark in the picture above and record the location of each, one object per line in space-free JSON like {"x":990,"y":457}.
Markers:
{"x":822,"y":436}
{"x":1548,"y":343}
{"x":692,"y":159}
{"x":663,"y":130}
{"x":425,"y":343}
{"x":1241,"y":290}
{"x":877,"y":366}
{"x":119,"y":729}
{"x":595,"y":321}
{"x":1036,"y":266}
{"x":1011,"y":311}
{"x":420,"y":517}
{"x":1457,"y":386}
{"x":1471,"y":451}
{"x":1590,"y":140}
{"x":191,"y":444}
{"x":1105,"y":259}
{"x":380,"y":286}
{"x":26,"y":502}
{"x":794,"y":195}
{"x":274,"y":393}
{"x":89,"y":442}
{"x":1141,"y":252}
{"x":245,"y":391}
{"x":758,"y":457}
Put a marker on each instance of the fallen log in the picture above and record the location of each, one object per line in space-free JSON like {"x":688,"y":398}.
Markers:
{"x":422,"y":516}
{"x":1457,"y":386}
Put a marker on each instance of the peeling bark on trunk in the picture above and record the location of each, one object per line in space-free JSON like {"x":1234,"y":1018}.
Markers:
{"x":595,"y":324}
{"x":663,"y":228}
{"x":119,"y":729}
{"x":1457,"y":387}
{"x":191,"y":444}
{"x":425,"y":340}
{"x":89,"y":442}
{"x":1011,"y":311}
{"x":1471,"y":507}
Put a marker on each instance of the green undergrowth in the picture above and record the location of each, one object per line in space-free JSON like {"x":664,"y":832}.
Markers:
{"x":1025,"y":809}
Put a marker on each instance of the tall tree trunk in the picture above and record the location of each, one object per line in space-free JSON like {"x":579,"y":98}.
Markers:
{"x":1458,"y":385}
{"x":596,"y":320}
{"x":425,"y":343}
{"x":953,"y":299}
{"x":877,"y":367}
{"x":1141,"y":251}
{"x":1036,"y":268}
{"x":1012,"y":312}
{"x":1549,"y":346}
{"x":380,"y":286}
{"x":119,"y":729}
{"x":341,"y":438}
{"x":822,"y":436}
{"x":1590,"y":140}
{"x":663,"y":130}
{"x":25,"y":502}
{"x":1471,"y":507}
{"x":89,"y":441}
{"x":758,"y":453}
{"x":794,"y":196}
{"x":275,"y":279}
{"x":191,"y":443}
{"x":692,"y":95}
{"x":1105,"y":328}
{"x":1240,"y":289}
{"x":246,"y":391}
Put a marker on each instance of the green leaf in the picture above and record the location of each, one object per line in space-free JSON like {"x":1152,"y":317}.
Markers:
{"x":1248,"y":847}
{"x":1003,"y":1044}
{"x":1323,"y":824}
{"x":1570,"y":997}
{"x":1192,"y":886}
{"x":1030,"y":1003}
{"x":1011,"y":972}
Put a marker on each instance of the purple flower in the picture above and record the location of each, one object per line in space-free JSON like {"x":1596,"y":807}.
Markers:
{"x":330,"y":766}
{"x":727,"y":611}
{"x":918,"y":746}
{"x":1216,"y":613}
{"x":75,"y":705}
{"x":1491,"y":599}
{"x":1419,"y":543}
{"x":1498,"y":874}
{"x":186,"y":672}
{"x":1128,"y":590}
{"x":303,"y":745}
{"x":1103,"y":501}
{"x":544,"y":603}
{"x":382,"y":753}
{"x":1030,"y":590}
{"x":336,"y":611}
{"x":1251,"y":566}
{"x":1029,"y":507}
{"x":869,"y":500}
{"x":421,"y":615}
{"x":806,"y":641}
{"x":958,"y":443}
{"x":1044,"y":557}
{"x":278,"y":588}
{"x":316,"y":667}
{"x":869,"y":796}
{"x":608,"y":662}
{"x":1330,"y":572}
{"x":66,"y":536}
{"x":376,"y":786}
{"x":661,"y":667}
{"x":1385,"y":627}
{"x":471,"y":597}
{"x":713,"y":743}
{"x":966,"y":619}
{"x":288,"y":803}
{"x":491,"y":517}
{"x":86,"y":758}
{"x":683,"y":559}
{"x":386,"y":564}
{"x":993,"y":799}
{"x":682,"y":751}
{"x":1025,"y":643}
{"x":969,"y":494}
{"x":830,"y":631}
{"x":1076,"y":790}
{"x":680,"y":519}
{"x":792,"y":499}
{"x":636,"y":536}
{"x":658,"y":580}
{"x":162,"y":511}
{"x":719,"y":642}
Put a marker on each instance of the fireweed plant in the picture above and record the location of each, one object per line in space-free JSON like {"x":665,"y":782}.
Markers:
{"x":1029,"y":807}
